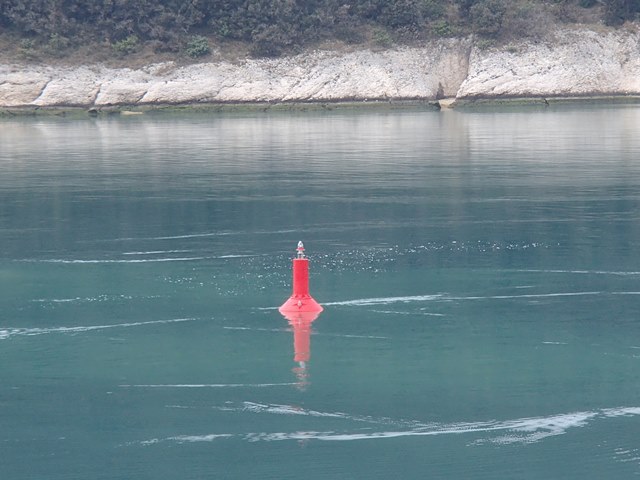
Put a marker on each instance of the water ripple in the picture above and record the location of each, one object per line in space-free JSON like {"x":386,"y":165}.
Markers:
{"x":6,"y":333}
{"x":446,"y":297}
{"x":518,"y":431}
{"x":584,"y":272}
{"x":211,"y":385}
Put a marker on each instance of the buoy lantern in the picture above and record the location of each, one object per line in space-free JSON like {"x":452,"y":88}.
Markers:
{"x":300,"y":300}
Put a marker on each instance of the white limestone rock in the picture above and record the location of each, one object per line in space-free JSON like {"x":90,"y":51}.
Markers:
{"x":69,"y":87}
{"x":20,"y":86}
{"x":573,"y":63}
{"x":124,"y":86}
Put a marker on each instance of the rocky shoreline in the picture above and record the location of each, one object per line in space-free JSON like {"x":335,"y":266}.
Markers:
{"x":570,"y":65}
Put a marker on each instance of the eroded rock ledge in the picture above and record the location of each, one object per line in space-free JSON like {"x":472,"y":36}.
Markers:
{"x":576,"y":62}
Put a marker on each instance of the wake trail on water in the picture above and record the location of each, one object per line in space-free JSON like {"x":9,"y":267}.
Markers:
{"x":446,"y":297}
{"x":443,"y":297}
{"x":11,"y":332}
{"x":156,"y":252}
{"x":517,"y":431}
{"x":135,"y":260}
{"x":384,"y":300}
{"x":188,"y":236}
{"x":210,"y":385}
{"x":145,"y":258}
{"x":583,"y":272}
{"x":394,"y":312}
{"x":95,"y":299}
{"x":316,"y":228}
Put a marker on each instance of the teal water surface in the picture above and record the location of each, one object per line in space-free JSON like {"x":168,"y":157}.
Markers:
{"x":479,"y":272}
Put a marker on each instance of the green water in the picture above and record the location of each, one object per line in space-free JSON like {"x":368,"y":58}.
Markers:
{"x":479,"y":272}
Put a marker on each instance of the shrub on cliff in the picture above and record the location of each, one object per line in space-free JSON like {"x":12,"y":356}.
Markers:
{"x":197,"y":46}
{"x":527,"y":19}
{"x":487,"y":16}
{"x":617,"y":12}
{"x":126,"y":45}
{"x":57,"y":45}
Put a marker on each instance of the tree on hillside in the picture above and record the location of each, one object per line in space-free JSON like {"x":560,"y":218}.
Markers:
{"x":617,"y":12}
{"x":272,"y":27}
{"x":487,"y":15}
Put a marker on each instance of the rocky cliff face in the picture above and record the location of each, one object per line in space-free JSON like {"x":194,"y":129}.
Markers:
{"x":571,"y":63}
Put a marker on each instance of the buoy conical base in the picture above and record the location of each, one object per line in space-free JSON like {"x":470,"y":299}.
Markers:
{"x":300,"y":303}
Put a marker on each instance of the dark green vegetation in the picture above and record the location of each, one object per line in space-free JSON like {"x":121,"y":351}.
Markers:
{"x":191,"y":28}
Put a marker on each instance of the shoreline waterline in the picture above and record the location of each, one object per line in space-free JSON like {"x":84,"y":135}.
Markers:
{"x":239,"y":107}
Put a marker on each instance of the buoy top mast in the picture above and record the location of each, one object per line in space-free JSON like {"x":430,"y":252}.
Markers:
{"x":300,"y":250}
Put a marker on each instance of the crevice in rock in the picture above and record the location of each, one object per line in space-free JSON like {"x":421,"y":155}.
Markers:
{"x":466,"y":65}
{"x":139,"y":99}
{"x":42,"y":91}
{"x":95,"y":97}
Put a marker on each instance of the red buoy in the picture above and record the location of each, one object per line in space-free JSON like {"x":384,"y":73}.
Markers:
{"x":300,"y":300}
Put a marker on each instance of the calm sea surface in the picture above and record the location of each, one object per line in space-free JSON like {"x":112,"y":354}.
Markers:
{"x":480,"y":273}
